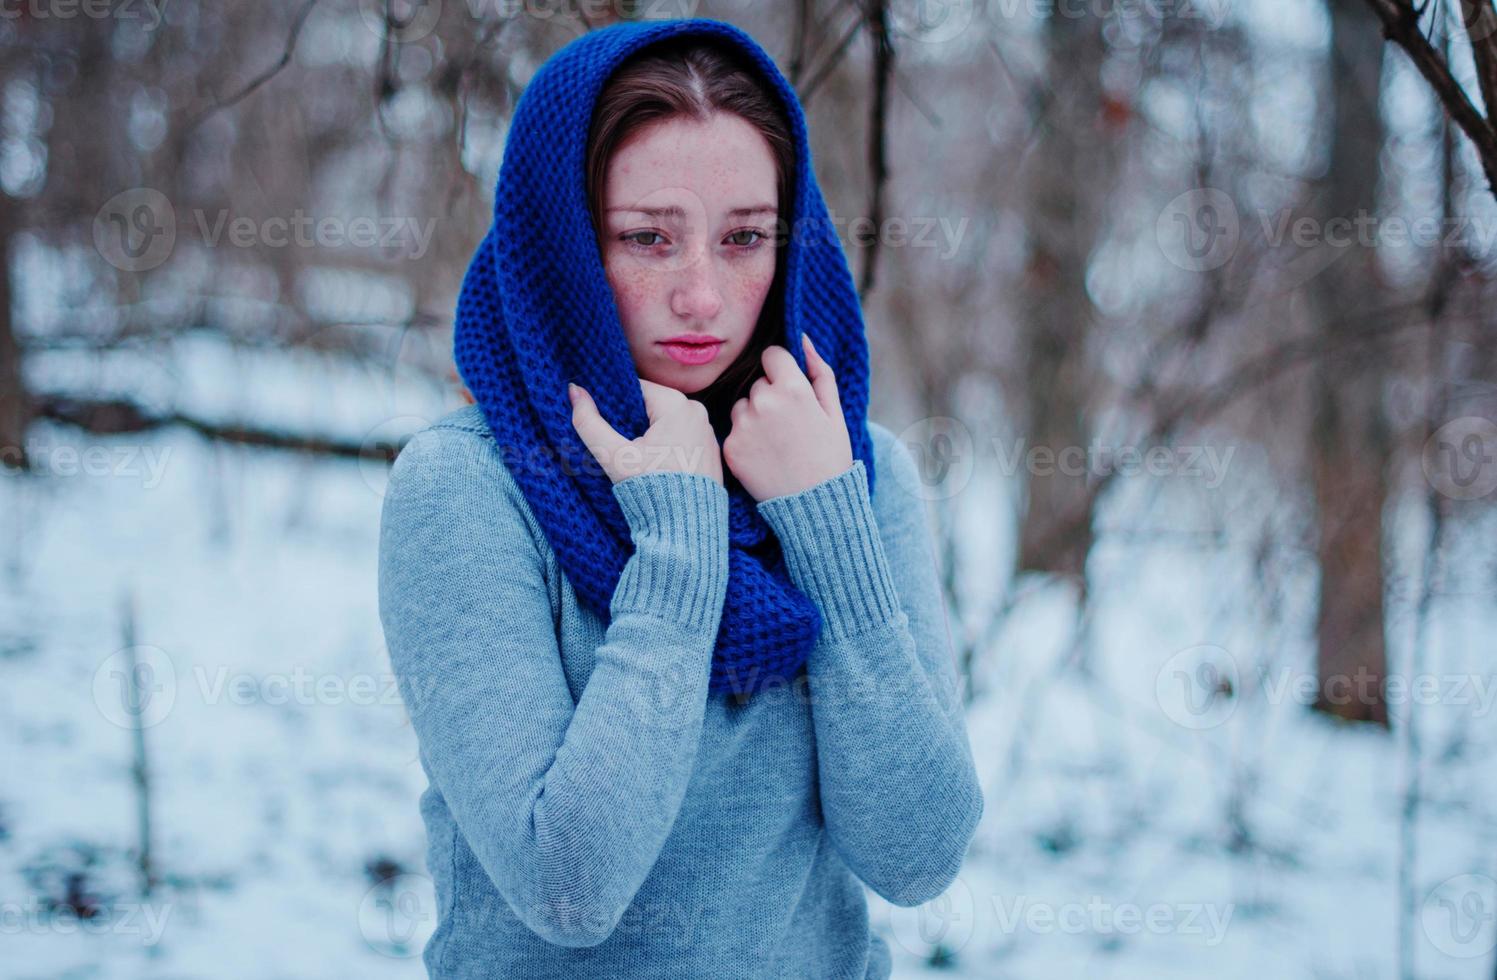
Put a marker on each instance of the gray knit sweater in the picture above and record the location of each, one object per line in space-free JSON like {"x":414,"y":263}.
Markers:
{"x":591,"y":811}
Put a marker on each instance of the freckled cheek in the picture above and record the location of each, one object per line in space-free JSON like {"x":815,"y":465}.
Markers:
{"x":750,"y":283}
{"x":634,"y":287}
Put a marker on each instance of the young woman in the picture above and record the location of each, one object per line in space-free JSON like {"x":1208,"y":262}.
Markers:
{"x":673,"y":648}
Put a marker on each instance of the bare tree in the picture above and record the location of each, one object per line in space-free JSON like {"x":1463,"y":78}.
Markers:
{"x":1400,"y":20}
{"x":1350,"y":435}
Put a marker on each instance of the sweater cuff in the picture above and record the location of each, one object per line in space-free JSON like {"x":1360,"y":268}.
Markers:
{"x":832,"y":548}
{"x":679,"y":570}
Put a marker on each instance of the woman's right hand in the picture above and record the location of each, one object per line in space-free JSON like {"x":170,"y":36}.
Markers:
{"x":680,"y":437}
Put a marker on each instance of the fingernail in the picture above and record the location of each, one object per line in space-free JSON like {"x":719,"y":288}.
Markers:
{"x":571,"y":393}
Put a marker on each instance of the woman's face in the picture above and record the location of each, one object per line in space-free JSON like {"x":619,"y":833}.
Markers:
{"x":689,"y":212}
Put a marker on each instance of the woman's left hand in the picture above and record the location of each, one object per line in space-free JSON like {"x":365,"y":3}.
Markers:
{"x":788,"y":433}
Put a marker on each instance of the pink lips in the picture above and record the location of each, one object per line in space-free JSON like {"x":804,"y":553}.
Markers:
{"x":692,"y":348}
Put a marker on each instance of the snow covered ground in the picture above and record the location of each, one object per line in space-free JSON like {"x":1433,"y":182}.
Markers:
{"x":1134,"y":826}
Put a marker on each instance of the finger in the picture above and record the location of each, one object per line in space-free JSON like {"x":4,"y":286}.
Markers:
{"x":596,"y":434}
{"x":780,"y":367}
{"x":823,"y":380}
{"x":757,"y":390}
{"x":658,"y":398}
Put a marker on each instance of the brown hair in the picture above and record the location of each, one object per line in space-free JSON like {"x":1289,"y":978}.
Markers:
{"x":696,"y":77}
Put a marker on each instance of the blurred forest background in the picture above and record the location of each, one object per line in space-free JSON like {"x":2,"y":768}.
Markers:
{"x":1187,"y":308}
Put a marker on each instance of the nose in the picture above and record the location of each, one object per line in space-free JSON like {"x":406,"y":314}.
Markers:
{"x":696,"y":296}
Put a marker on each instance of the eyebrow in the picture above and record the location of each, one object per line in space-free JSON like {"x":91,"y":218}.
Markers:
{"x":675,"y":211}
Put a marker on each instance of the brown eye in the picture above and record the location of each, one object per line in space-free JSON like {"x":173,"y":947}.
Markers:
{"x":634,"y":237}
{"x":746,"y":231}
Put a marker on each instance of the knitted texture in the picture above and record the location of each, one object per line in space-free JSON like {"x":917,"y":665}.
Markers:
{"x":536,"y":311}
{"x":591,"y":812}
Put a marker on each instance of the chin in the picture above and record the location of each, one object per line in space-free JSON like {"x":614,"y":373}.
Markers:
{"x":690,"y":377}
{"x":683,"y":380}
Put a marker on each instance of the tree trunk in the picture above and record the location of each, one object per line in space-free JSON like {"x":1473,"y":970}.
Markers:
{"x":1072,"y":167}
{"x":1350,"y":441}
{"x":14,"y":405}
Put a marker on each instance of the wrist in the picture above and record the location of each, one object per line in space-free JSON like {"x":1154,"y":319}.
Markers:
{"x":830,"y":539}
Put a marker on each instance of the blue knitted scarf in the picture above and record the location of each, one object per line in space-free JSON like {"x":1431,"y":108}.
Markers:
{"x":536,"y":311}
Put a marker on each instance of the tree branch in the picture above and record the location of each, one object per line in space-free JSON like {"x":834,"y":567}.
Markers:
{"x":1401,"y":26}
{"x":263,"y":77}
{"x":118,"y":417}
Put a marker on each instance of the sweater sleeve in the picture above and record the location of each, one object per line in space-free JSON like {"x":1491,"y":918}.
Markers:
{"x":899,"y":788}
{"x":566,"y":806}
